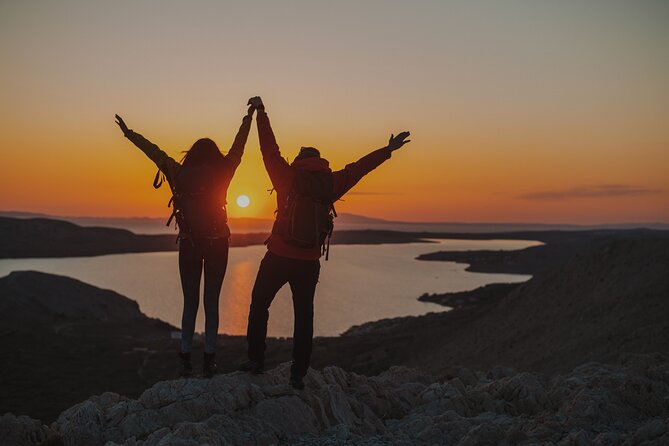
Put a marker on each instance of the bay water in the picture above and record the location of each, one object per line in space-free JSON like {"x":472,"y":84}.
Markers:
{"x":360,"y":283}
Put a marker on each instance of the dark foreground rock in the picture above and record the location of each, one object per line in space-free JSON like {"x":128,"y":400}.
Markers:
{"x":64,"y":340}
{"x":593,"y":404}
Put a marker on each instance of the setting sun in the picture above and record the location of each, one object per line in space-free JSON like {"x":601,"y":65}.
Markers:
{"x":243,"y":201}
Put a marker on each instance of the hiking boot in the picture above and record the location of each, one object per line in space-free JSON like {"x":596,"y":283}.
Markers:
{"x":186,"y":366}
{"x":252,"y":367}
{"x":209,"y":369}
{"x":297,"y":382}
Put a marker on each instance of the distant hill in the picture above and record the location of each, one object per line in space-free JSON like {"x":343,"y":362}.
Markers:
{"x":42,"y":237}
{"x":145,"y":225}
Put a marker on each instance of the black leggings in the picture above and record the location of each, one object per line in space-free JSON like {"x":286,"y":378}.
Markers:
{"x":193,"y":254}
{"x":302,"y":276}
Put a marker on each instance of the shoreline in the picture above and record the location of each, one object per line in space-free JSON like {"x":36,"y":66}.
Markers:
{"x":48,"y":238}
{"x":538,"y":326}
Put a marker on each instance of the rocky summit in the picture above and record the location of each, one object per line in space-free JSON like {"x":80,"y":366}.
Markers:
{"x":594,"y":404}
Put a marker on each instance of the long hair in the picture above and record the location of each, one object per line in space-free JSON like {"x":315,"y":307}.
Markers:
{"x":204,"y":151}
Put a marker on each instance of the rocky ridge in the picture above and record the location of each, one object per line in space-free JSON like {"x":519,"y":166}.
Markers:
{"x":626,"y":404}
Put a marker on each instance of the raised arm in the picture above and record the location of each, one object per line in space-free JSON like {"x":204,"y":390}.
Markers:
{"x":349,"y":176}
{"x":164,"y":162}
{"x":235,"y":153}
{"x":277,"y":167}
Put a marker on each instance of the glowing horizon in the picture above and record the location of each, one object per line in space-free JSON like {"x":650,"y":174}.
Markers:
{"x":522,"y":112}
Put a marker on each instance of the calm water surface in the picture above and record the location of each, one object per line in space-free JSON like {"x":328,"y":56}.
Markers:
{"x":360,"y":283}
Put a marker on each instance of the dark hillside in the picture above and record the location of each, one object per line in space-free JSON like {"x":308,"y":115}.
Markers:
{"x":606,"y":300}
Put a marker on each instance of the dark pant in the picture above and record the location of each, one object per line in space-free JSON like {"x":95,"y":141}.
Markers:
{"x":193,"y":255}
{"x":302,"y":276}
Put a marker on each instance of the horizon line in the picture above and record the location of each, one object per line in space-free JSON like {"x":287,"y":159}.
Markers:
{"x":376,"y":220}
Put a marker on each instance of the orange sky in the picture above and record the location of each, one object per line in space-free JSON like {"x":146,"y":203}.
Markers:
{"x":522,"y":112}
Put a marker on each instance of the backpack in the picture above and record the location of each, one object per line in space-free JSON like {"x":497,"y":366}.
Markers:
{"x":307,"y":217}
{"x":196,"y":206}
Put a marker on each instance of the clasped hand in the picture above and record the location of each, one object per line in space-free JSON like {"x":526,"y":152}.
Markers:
{"x":256,"y":102}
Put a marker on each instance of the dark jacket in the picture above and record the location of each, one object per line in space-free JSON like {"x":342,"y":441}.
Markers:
{"x":171,"y":168}
{"x":281,"y":174}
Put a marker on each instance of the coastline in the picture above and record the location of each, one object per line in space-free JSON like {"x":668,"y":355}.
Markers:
{"x":508,"y":327}
{"x":47,"y":238}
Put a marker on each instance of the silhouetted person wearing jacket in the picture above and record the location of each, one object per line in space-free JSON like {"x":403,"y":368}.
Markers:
{"x":286,"y":263}
{"x":199,"y":186}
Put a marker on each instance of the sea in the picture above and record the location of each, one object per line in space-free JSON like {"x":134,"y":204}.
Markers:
{"x":359,"y":284}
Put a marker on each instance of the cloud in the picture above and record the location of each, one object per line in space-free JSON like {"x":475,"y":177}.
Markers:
{"x":374,"y":193}
{"x":599,"y":191}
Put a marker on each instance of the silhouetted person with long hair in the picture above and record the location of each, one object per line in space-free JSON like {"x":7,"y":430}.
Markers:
{"x":290,"y":257}
{"x":199,"y":186}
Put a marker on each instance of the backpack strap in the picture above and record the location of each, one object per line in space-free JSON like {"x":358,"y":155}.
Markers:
{"x":174,"y":211}
{"x":326,"y":245}
{"x":158,"y":180}
{"x":172,"y":215}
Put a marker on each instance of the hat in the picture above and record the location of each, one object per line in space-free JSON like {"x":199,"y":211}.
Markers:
{"x":308,"y":152}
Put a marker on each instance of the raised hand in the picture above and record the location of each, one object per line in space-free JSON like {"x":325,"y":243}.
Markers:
{"x":256,"y":102}
{"x":398,"y":141}
{"x":119,"y":121}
